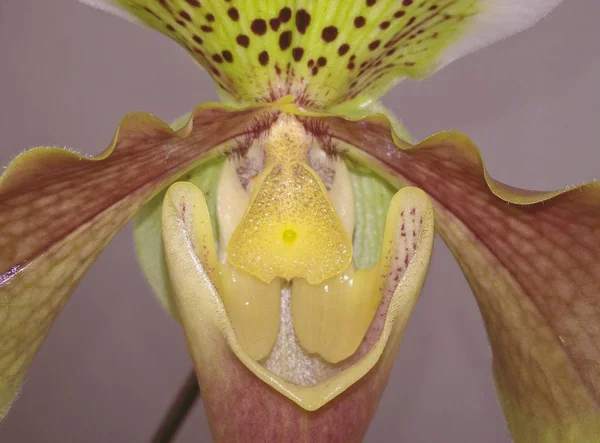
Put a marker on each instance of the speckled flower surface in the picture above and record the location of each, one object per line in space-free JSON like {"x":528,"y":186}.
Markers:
{"x":149,"y":155}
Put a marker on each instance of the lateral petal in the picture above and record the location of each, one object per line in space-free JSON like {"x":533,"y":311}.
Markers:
{"x":533,"y":262}
{"x":58,"y":210}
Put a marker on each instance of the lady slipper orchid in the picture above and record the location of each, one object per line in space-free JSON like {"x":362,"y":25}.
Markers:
{"x":289,"y":229}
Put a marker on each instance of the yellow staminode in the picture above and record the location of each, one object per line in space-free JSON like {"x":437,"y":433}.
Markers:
{"x":290,"y":229}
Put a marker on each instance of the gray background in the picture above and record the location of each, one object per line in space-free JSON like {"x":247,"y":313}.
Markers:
{"x":113,"y":360}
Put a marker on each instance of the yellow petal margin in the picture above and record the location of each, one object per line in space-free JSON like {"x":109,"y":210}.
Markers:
{"x":244,"y":401}
{"x":59,"y":210}
{"x":533,"y":262}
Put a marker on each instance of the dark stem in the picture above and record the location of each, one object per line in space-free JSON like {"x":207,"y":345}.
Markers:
{"x":181,"y":406}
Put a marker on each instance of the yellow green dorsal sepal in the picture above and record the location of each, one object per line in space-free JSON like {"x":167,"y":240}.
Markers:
{"x":326,"y":53}
{"x":290,"y":229}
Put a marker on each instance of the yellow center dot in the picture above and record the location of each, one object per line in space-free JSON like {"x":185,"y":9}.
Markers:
{"x":289,"y":235}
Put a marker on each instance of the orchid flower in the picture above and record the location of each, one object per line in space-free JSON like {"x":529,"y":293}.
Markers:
{"x":289,"y":229}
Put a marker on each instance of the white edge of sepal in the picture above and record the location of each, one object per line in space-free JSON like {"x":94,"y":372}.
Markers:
{"x":110,"y":7}
{"x":497,"y":20}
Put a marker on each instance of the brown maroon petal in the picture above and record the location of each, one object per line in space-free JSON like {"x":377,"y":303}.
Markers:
{"x":59,"y":210}
{"x":533,"y":262}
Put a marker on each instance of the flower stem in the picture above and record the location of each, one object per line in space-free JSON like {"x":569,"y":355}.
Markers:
{"x":181,"y":406}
